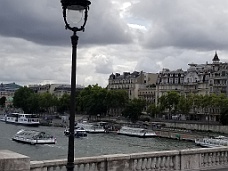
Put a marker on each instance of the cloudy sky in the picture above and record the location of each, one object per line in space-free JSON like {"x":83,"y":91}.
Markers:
{"x":120,"y":35}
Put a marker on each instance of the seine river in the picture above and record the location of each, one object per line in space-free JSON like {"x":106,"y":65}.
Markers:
{"x":92,"y":145}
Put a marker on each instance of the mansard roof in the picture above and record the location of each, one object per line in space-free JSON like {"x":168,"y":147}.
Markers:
{"x":10,"y":86}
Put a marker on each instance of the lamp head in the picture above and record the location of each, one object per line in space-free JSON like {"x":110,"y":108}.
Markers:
{"x":74,"y":10}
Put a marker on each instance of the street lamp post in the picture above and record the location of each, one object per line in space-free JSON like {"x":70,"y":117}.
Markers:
{"x":74,"y":10}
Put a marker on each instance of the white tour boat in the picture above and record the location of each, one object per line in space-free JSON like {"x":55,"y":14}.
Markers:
{"x":24,"y":119}
{"x":91,"y":127}
{"x":219,"y":141}
{"x":33,"y":137}
{"x":137,"y":132}
{"x":78,"y":132}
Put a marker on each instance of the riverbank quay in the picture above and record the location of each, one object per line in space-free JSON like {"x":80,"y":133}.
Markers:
{"x":175,"y":160}
{"x":213,"y":127}
{"x":186,"y":136}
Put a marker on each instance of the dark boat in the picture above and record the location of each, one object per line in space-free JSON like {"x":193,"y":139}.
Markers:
{"x":78,"y":132}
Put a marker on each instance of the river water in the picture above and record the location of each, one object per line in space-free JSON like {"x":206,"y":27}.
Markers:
{"x":92,"y":145}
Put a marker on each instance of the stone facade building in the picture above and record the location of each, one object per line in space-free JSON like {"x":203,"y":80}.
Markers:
{"x":200,"y":79}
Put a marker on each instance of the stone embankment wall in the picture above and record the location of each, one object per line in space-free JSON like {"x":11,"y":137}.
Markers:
{"x":198,"y":127}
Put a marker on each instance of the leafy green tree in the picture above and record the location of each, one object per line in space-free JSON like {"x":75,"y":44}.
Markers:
{"x":184,"y":105}
{"x":21,"y":98}
{"x":48,"y":102}
{"x":169,"y":101}
{"x":154,"y":110}
{"x":3,"y":101}
{"x":33,"y":103}
{"x":224,"y":111}
{"x":92,"y":100}
{"x":133,"y":109}
{"x":64,"y":103}
{"x":116,"y":99}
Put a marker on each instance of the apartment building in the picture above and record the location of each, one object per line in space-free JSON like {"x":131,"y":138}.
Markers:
{"x":133,"y":83}
{"x":201,"y":79}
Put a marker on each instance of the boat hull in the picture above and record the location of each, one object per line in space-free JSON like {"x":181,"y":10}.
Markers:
{"x":136,"y":135}
{"x":136,"y":132}
{"x":33,"y":142}
{"x":91,"y":128}
{"x":24,"y":124}
{"x":33,"y":137}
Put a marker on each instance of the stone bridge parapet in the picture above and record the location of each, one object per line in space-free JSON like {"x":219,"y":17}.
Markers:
{"x":175,"y":160}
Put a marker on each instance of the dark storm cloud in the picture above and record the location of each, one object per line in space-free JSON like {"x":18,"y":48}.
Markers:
{"x":194,"y":24}
{"x":41,"y":22}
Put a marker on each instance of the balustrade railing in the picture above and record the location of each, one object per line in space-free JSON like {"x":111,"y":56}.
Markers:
{"x":175,"y":160}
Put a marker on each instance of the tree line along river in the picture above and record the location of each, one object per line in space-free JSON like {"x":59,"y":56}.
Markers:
{"x":92,"y":145}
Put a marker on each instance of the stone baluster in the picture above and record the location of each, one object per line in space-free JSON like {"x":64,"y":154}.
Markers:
{"x":167,"y":163}
{"x":206,"y":159}
{"x":144,"y":162}
{"x":134,"y":164}
{"x":222,"y":158}
{"x":210,"y":159}
{"x":171,"y":163}
{"x":87,"y":166}
{"x":154,"y":163}
{"x":213,"y":162}
{"x":162,"y":166}
{"x":216,"y":158}
{"x":139,"y":165}
{"x":50,"y":168}
{"x":148,"y":165}
{"x":202,"y":160}
{"x":225,"y":157}
{"x":158,"y":163}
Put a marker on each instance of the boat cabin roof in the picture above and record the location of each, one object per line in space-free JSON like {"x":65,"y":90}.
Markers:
{"x":32,"y":134}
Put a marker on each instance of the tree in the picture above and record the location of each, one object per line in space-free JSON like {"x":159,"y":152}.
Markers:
{"x":64,"y":103}
{"x":224,"y":112}
{"x":169,"y":101}
{"x":21,"y":98}
{"x":134,"y":109}
{"x":3,"y":101}
{"x":48,"y":102}
{"x":153,"y":110}
{"x":116,"y":100}
{"x":33,"y":103}
{"x":92,"y":100}
{"x":184,"y":105}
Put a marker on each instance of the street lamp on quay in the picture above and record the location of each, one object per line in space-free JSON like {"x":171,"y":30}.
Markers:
{"x":75,"y":13}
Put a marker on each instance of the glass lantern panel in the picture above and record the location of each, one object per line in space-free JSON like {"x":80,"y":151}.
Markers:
{"x":75,"y":16}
